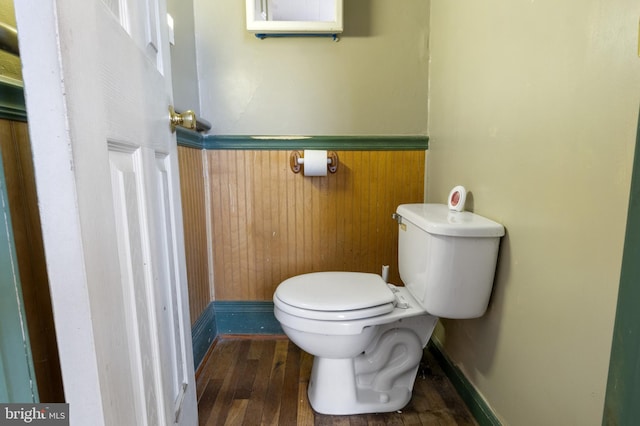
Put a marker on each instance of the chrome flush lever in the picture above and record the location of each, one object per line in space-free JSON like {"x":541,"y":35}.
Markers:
{"x":398,"y":218}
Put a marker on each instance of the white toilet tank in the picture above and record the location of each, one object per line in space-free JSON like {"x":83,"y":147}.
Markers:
{"x":447,"y":259}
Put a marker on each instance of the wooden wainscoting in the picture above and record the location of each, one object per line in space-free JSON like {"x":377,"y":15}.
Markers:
{"x":192,"y":188}
{"x":270,"y":224}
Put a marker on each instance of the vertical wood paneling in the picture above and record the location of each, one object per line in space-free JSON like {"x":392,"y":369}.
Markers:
{"x":192,"y":189}
{"x":249,"y":251}
{"x":215,"y":198}
{"x":270,"y":224}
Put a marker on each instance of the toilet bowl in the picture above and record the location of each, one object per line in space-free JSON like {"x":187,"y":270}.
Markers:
{"x":367,"y":336}
{"x":366,"y":357}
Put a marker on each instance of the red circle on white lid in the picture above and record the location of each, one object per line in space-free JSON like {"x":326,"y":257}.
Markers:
{"x":455,"y":198}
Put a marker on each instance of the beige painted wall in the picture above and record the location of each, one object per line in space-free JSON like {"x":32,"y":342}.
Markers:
{"x":373,"y":81}
{"x":533,"y":106}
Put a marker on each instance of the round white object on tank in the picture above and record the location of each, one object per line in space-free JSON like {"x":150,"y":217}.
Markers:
{"x":457,"y":198}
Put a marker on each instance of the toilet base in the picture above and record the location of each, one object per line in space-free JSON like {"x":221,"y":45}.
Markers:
{"x":377,"y":381}
{"x":338,"y":394}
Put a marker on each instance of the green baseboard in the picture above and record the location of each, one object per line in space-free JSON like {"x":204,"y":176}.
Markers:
{"x":246,"y":317}
{"x":476,"y":404}
{"x":231,"y":317}
{"x":203,"y":333}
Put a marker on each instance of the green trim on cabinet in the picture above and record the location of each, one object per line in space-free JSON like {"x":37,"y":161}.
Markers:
{"x":623,"y":384}
{"x":476,"y":404}
{"x":190,"y":139}
{"x":246,"y":317}
{"x":12,"y":106}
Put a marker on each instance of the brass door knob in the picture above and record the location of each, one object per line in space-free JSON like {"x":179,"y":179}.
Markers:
{"x":185,"y":119}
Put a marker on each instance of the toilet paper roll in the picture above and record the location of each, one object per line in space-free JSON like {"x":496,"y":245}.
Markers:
{"x":315,"y":163}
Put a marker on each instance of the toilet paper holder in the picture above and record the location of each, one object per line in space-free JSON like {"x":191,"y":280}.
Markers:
{"x":296,"y":160}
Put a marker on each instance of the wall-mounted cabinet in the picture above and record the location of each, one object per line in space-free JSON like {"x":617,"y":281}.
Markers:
{"x":294,"y":16}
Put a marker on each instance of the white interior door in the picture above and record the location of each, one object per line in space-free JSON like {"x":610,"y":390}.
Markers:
{"x":98,"y":87}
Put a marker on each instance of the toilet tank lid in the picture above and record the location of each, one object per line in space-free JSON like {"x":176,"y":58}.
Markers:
{"x":335,"y":291}
{"x":438,"y":219}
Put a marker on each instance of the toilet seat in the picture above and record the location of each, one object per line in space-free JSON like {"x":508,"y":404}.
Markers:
{"x":334,"y":296}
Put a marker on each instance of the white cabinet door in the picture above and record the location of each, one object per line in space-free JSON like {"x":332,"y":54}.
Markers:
{"x":98,"y":87}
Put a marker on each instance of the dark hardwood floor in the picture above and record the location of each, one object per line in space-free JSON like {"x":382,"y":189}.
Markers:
{"x":263,"y":381}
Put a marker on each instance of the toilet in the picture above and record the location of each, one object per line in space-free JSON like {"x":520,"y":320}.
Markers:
{"x":367,"y":336}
